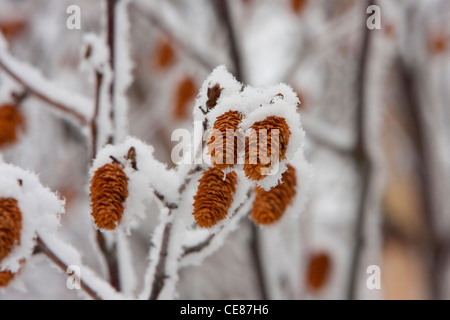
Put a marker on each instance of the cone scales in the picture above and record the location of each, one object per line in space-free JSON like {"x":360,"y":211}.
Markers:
{"x":259,"y":150}
{"x":269,"y":206}
{"x":224,"y":152}
{"x":214,"y":197}
{"x":10,"y":226}
{"x":108,"y":194}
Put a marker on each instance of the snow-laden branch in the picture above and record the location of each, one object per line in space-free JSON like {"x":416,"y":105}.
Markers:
{"x":167,"y":25}
{"x":209,"y":243}
{"x":64,"y":255}
{"x":74,"y":106}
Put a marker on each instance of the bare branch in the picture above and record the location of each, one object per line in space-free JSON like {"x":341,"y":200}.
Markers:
{"x":47,"y":96}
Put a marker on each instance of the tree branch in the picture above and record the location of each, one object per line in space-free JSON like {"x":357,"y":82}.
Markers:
{"x":47,"y":96}
{"x":439,"y":247}
{"x":361,"y":158}
{"x":160,"y":273}
{"x":60,"y":264}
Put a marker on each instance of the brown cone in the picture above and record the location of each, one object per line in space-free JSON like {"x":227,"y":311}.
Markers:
{"x":318,"y":271}
{"x":269,"y":206}
{"x":11,"y":122}
{"x":262,"y":151}
{"x":224,"y":153}
{"x":5,"y":278}
{"x":185,"y":94}
{"x":214,"y":197}
{"x":108,"y":194}
{"x":10,"y":226}
{"x":165,"y":54}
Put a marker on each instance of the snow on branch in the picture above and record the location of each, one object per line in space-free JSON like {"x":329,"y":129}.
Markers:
{"x":73,"y":106}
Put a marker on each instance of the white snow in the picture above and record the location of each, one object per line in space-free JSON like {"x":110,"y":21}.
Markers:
{"x":40,"y":209}
{"x":71,"y":257}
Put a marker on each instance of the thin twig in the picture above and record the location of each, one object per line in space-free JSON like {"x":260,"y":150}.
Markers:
{"x":93,"y":124}
{"x":160,"y":273}
{"x":185,"y":46}
{"x":110,"y":255}
{"x":59,"y":263}
{"x":223,"y":11}
{"x":110,"y":41}
{"x":361,"y":158}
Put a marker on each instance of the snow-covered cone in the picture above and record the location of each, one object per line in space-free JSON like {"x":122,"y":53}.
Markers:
{"x":224,"y":142}
{"x":11,"y":123}
{"x":261,"y":151}
{"x":10,"y":226}
{"x":108,"y":194}
{"x":269,"y":206}
{"x":214,"y":197}
{"x":318,"y":271}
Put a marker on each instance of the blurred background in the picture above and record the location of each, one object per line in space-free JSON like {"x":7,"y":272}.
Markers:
{"x":375,"y":105}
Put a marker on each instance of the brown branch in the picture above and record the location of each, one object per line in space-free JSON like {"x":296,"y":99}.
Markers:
{"x":362,"y":160}
{"x":438,"y":247}
{"x":93,"y":123}
{"x":160,"y":273}
{"x":110,"y":41}
{"x":58,"y":105}
{"x":59,"y":263}
{"x":111,"y":260}
{"x":198,"y":247}
{"x":223,"y":11}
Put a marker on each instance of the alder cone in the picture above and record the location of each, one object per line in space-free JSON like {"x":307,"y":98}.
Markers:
{"x":269,"y":206}
{"x":224,"y":152}
{"x":108,"y":194}
{"x":260,"y":152}
{"x":5,"y":278}
{"x":318,"y":271}
{"x":165,"y":55}
{"x":11,"y":123}
{"x":214,"y":197}
{"x":10,"y":226}
{"x":184,"y":95}
{"x":298,"y":5}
